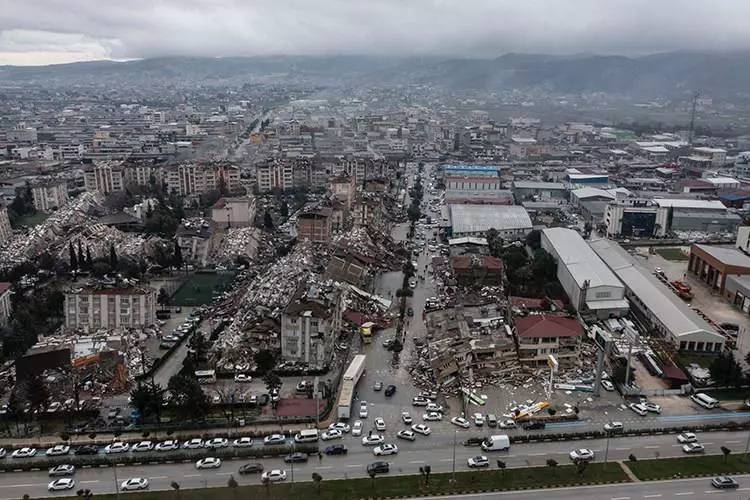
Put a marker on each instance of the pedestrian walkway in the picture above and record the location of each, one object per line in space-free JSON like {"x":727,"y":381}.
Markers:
{"x":628,"y":472}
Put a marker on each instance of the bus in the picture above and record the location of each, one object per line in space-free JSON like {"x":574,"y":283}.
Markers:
{"x":206,"y":376}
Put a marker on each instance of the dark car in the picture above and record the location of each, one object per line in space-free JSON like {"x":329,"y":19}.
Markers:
{"x":410,"y":312}
{"x":295,"y":458}
{"x":336,"y":449}
{"x":88,"y":449}
{"x":378,"y":467}
{"x":532,"y":426}
{"x":251,"y":468}
{"x":390,"y":390}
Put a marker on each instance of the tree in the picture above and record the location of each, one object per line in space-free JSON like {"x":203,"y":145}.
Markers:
{"x":272,"y":381}
{"x":73,"y":257}
{"x":317,"y":478}
{"x":267,"y":221}
{"x":372,"y":475}
{"x":551,"y":462}
{"x":632,"y":458}
{"x":551,"y":411}
{"x":534,"y":239}
{"x":147,"y":399}
{"x":175,"y":485}
{"x":543,"y":266}
{"x":726,"y":451}
{"x":112,"y":256}
{"x":188,"y":396}
{"x":232,"y":482}
{"x":284,"y":209}
{"x":265,"y":360}
{"x":46,"y":261}
{"x":726,"y":371}
{"x":581,"y":466}
{"x":501,"y":465}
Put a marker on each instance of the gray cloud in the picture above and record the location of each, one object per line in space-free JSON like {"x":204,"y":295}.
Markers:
{"x":146,"y":28}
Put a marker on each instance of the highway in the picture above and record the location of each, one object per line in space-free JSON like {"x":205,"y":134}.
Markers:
{"x":437,"y":451}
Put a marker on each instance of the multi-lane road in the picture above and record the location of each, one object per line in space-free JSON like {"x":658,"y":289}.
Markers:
{"x":436,"y":451}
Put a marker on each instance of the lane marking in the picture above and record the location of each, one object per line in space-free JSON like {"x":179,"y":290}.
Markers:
{"x":90,"y":481}
{"x":20,"y":485}
{"x":354,"y":465}
{"x":732,"y":442}
{"x":622,"y":449}
{"x":651,"y":447}
{"x":192,"y":475}
{"x":652,"y":496}
{"x":159,"y":477}
{"x":620,"y":498}
{"x":417,"y":462}
{"x":223,"y":473}
{"x":324,"y":468}
{"x":683,"y":493}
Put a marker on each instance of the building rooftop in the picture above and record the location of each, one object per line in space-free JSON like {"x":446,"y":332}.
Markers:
{"x":539,"y":185}
{"x":583,"y":264}
{"x":673,"y":313}
{"x":690,"y":203}
{"x":480,"y":218}
{"x":545,"y":326}
{"x":727,"y":256}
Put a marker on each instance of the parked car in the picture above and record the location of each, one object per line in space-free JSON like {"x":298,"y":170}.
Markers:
{"x":88,"y":449}
{"x":23,"y":453}
{"x":508,"y":424}
{"x":343,"y":427}
{"x":357,"y":428}
{"x":336,"y":449}
{"x":380,"y":424}
{"x":142,"y":446}
{"x":295,"y":458}
{"x":331,"y":434}
{"x":372,"y":440}
{"x":215,"y":443}
{"x":724,"y":482}
{"x":582,"y":454}
{"x":273,"y":476}
{"x":208,"y":463}
{"x":243,"y":442}
{"x":390,"y":391}
{"x":242,"y":378}
{"x":58,"y":450}
{"x":608,"y":386}
{"x":378,"y":467}
{"x":61,"y":484}
{"x":406,"y":434}
{"x":652,"y":407}
{"x":613,"y":427}
{"x":168,"y":445}
{"x":274,"y":439}
{"x":378,"y":386}
{"x":533,"y":426}
{"x":478,"y":419}
{"x":193,"y":444}
{"x":432,"y":416}
{"x":434,"y":407}
{"x":406,"y":418}
{"x":134,"y":483}
{"x":421,"y":429}
{"x":693,"y":448}
{"x":461,"y":422}
{"x":363,"y":409}
{"x":687,"y":437}
{"x":420,"y":401}
{"x":386,"y":449}
{"x":62,"y":470}
{"x":478,"y":461}
{"x":638,"y":408}
{"x":251,"y":468}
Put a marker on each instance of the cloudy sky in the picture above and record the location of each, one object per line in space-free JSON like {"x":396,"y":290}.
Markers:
{"x":54,"y":31}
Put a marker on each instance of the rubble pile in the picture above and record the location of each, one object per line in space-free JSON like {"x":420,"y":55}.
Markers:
{"x":52,"y":231}
{"x":98,"y":238}
{"x":238,"y":242}
{"x":373,"y":245}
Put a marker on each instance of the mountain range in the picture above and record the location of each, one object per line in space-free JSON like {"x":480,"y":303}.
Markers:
{"x":717,"y":74}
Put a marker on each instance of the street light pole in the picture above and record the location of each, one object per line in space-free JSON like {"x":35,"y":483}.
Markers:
{"x":117,"y":483}
{"x":453,"y":479}
{"x":292,"y":462}
{"x":747,"y":445}
{"x":606,"y":450}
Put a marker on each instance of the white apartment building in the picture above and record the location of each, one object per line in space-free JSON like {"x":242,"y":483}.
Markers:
{"x":50,"y":196}
{"x":234,"y":212}
{"x":192,"y":178}
{"x":5,"y":305}
{"x":273,"y":175}
{"x":92,"y":308}
{"x":103,"y":177}
{"x":5,"y":230}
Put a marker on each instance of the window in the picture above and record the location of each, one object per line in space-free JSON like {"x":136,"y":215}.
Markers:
{"x":603,"y":295}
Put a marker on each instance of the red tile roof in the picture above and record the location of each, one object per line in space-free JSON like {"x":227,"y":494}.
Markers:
{"x":543,"y":325}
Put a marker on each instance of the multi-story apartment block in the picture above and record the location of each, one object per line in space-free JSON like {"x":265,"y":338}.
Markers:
{"x":5,"y":306}
{"x":367,"y":209}
{"x":92,"y":308}
{"x":192,"y":178}
{"x":5,"y":230}
{"x":310,"y":324}
{"x":315,"y":225}
{"x":234,"y":212}
{"x":274,"y":174}
{"x":540,"y":335}
{"x":50,"y":195}
{"x":104,"y":177}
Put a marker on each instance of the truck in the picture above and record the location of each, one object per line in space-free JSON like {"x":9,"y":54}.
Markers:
{"x":349,"y":383}
{"x":499,"y":442}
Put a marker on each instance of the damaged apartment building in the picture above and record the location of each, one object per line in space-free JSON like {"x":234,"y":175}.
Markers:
{"x":310,"y":324}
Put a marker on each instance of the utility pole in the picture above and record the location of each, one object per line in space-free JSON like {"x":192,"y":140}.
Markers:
{"x":453,"y":474}
{"x":606,"y":450}
{"x":627,"y":369}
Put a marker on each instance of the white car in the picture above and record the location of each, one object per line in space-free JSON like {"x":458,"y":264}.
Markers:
{"x":217,"y":443}
{"x":134,"y":483}
{"x":357,"y":428}
{"x":638,"y":408}
{"x":23,"y":453}
{"x":116,"y":447}
{"x":3,"y":452}
{"x":461,"y":422}
{"x":62,"y":470}
{"x":478,"y":419}
{"x":363,"y":409}
{"x":331,"y":434}
{"x":193,"y":444}
{"x":273,"y":476}
{"x":582,"y":454}
{"x":613,"y":426}
{"x":168,"y":445}
{"x":608,"y":386}
{"x":406,"y":418}
{"x":652,"y":407}
{"x":386,"y":449}
{"x":507,"y":424}
{"x":432,"y":416}
{"x":421,"y":429}
{"x":478,"y":461}
{"x":64,"y":483}
{"x":420,"y":401}
{"x":142,"y":446}
{"x":687,"y":437}
{"x":693,"y":448}
{"x":243,"y":442}
{"x":343,"y":427}
{"x":57,"y":450}
{"x":208,"y":463}
{"x":372,"y":440}
{"x":406,"y":434}
{"x":380,"y":424}
{"x":434,"y":407}
{"x":242,"y":378}
{"x":274,"y":439}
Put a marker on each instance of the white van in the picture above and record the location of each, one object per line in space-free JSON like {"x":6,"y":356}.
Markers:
{"x":705,"y":400}
{"x":306,"y":436}
{"x":638,"y":408}
{"x":499,"y":442}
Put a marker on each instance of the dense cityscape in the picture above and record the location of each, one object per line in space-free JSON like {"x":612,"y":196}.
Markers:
{"x":359,"y":276}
